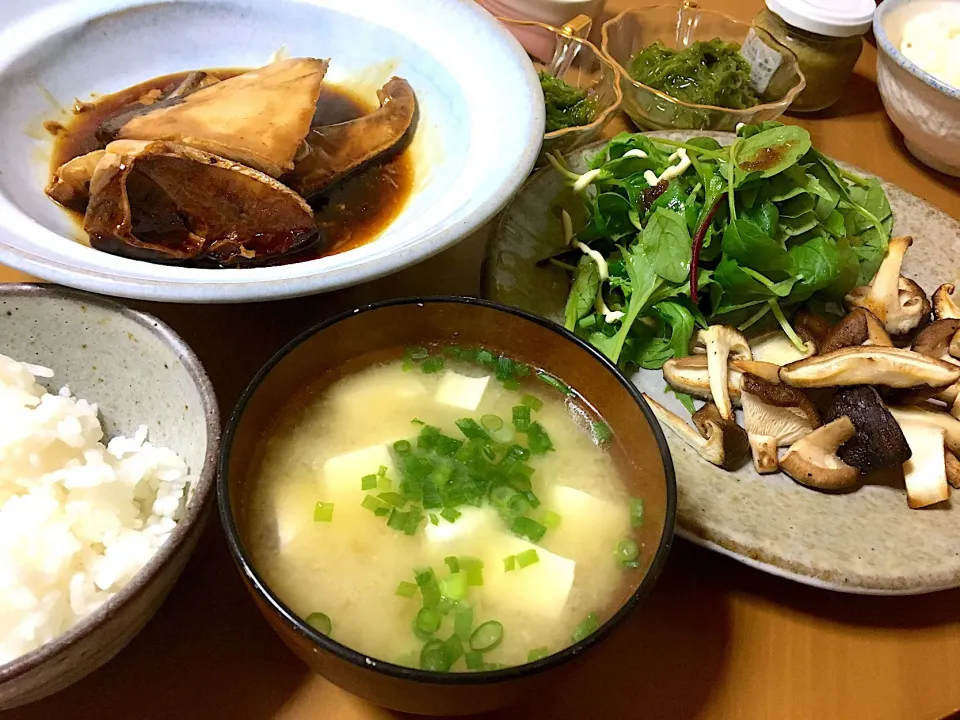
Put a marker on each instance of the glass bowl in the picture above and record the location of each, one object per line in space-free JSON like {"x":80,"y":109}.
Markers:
{"x":679,"y":27}
{"x":565,"y":53}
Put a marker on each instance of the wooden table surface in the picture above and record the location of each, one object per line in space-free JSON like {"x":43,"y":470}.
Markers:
{"x":716,"y":640}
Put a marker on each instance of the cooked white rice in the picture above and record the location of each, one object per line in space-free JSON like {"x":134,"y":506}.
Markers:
{"x":78,"y":519}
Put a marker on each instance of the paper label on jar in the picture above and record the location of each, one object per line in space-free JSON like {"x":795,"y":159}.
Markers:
{"x":763,"y":60}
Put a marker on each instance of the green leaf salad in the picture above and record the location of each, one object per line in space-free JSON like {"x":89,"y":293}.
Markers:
{"x":764,"y":226}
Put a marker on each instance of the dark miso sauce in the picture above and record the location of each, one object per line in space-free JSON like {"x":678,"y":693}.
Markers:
{"x":348,"y":215}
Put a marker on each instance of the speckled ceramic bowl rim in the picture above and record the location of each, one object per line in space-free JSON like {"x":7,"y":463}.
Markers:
{"x":898,"y":57}
{"x":245,"y":564}
{"x":776,"y":105}
{"x":604,"y":59}
{"x":202,"y":490}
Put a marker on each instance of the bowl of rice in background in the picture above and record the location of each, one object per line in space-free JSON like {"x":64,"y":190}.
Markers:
{"x":109,"y":431}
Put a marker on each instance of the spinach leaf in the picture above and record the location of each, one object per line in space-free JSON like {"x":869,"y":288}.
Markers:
{"x":797,"y":206}
{"x":834,"y":225}
{"x":765,"y":215}
{"x":815,"y":264}
{"x":583,"y":293}
{"x":870,"y":248}
{"x":611,"y":216}
{"x":749,"y":245}
{"x":680,"y":322}
{"x":666,"y":242}
{"x":848,"y":274}
{"x":790,"y":226}
{"x":772,"y":151}
{"x":643,"y":282}
{"x":740,"y":287}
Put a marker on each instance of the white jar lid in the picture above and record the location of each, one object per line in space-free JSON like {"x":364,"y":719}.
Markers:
{"x":834,"y":18}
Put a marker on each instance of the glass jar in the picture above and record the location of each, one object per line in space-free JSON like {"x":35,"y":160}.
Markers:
{"x":826,"y":40}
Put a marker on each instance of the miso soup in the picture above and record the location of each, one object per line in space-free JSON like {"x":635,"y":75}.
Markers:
{"x":450,"y":510}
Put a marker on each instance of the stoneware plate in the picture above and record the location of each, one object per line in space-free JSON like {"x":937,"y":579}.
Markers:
{"x":867,"y":541}
{"x":139,"y":372}
{"x":470,"y":153}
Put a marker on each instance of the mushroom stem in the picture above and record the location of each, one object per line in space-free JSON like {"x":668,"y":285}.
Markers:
{"x":944,"y":308}
{"x":897,"y":302}
{"x":925,"y":473}
{"x":721,"y":442}
{"x":720,"y":342}
{"x":813,"y":460}
{"x":882,"y":298}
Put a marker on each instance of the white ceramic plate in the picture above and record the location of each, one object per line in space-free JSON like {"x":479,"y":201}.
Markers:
{"x":481,"y":121}
{"x":866,"y":541}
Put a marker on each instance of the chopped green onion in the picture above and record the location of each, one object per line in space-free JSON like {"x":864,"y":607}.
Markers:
{"x":532,"y":402}
{"x":434,"y":520}
{"x":368,"y":482}
{"x":531,"y":498}
{"x":435,"y":657}
{"x":521,"y":418}
{"x":432,"y":365}
{"x":473,"y":659}
{"x":414,"y":517}
{"x":485,"y":357}
{"x":454,"y":586}
{"x":426,"y":623}
{"x":519,"y":505}
{"x":406,"y":365}
{"x":627,"y":550}
{"x":471,"y":429}
{"x":520,"y":480}
{"x":445,"y":605}
{"x":487,"y":636}
{"x":555,"y":383}
{"x":500,"y":495}
{"x":537,"y":654}
{"x":319,"y":622}
{"x":416,"y":352}
{"x":474,"y":569}
{"x":323,"y":512}
{"x":452,"y":563}
{"x":417,"y":421}
{"x":538,"y":440}
{"x":602,"y":432}
{"x":382,"y":511}
{"x":527,"y":557}
{"x":586,"y":626}
{"x":636,"y":512}
{"x":511,"y":384}
{"x":392,"y":498}
{"x":382,"y":470}
{"x":527,"y":528}
{"x":491,"y":422}
{"x":463,"y":623}
{"x":550,"y":519}
{"x":633,"y":564}
{"x":454,"y":351}
{"x":521,"y":370}
{"x":504,"y":368}
{"x":402,"y":447}
{"x":371,"y":503}
{"x":384,"y":483}
{"x":449,"y":514}
{"x":509,"y":563}
{"x":406,"y":589}
{"x":454,"y":648}
{"x":429,"y":587}
{"x":397,"y":520}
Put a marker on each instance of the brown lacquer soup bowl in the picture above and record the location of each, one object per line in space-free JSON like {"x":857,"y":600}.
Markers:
{"x":371,"y":335}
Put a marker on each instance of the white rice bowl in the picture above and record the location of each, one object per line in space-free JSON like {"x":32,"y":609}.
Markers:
{"x":78,"y":519}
